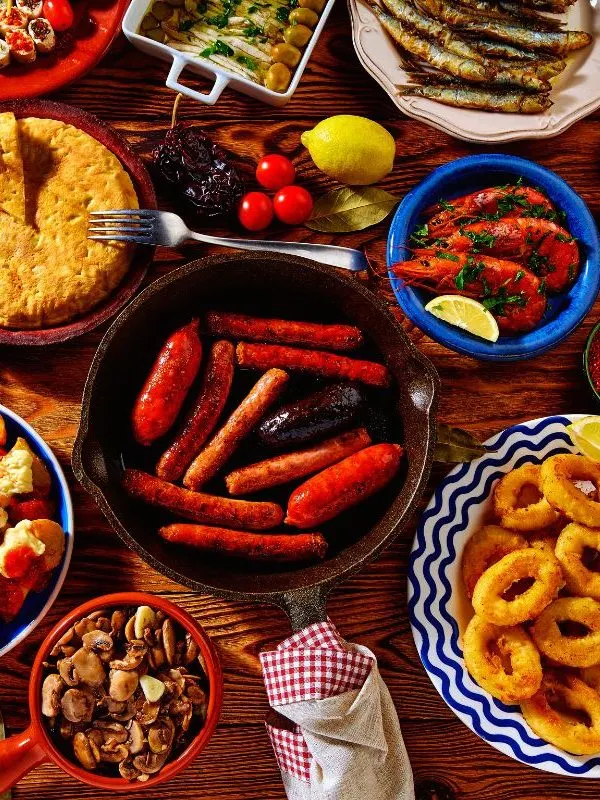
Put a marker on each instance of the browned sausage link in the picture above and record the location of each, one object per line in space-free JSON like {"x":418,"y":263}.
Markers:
{"x":175,"y":369}
{"x":343,"y":485}
{"x":331,"y":365}
{"x":254,"y":546}
{"x":201,"y":507}
{"x":311,"y":334}
{"x":200,"y":423}
{"x":220,"y":448}
{"x":288,"y":467}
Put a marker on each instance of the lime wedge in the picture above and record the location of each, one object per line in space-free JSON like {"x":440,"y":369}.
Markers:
{"x":465,"y":313}
{"x":585,"y":435}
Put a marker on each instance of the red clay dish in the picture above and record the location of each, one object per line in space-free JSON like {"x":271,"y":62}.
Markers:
{"x":107,"y":136}
{"x":97,"y":23}
{"x":24,"y":751}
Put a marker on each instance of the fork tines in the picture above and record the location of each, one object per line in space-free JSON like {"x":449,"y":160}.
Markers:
{"x":122,"y":225}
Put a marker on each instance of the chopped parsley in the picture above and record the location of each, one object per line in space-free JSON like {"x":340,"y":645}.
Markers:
{"x":497,"y":302}
{"x":252,"y":9}
{"x":282,"y":14}
{"x":560,"y":237}
{"x":186,"y":24}
{"x":251,"y":30}
{"x":469,"y":273}
{"x":542,"y":289}
{"x":217,"y":48}
{"x":484,"y":239}
{"x":539,"y":264}
{"x":520,"y":274}
{"x":420,"y":234}
{"x":447,"y":256}
{"x":246,"y":61}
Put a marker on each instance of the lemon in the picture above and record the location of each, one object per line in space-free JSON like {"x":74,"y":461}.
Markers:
{"x":350,"y":149}
{"x":465,"y":313}
{"x":585,"y":434}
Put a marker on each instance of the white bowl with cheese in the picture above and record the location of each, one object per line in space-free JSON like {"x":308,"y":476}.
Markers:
{"x":14,"y":480}
{"x":222,"y":76}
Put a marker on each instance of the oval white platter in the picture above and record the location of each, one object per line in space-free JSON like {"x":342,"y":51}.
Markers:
{"x":576,"y":92}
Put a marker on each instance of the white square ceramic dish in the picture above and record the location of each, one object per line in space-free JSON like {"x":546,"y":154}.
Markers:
{"x":223,"y":77}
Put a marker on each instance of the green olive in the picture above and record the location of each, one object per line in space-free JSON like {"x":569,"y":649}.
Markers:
{"x":304,"y":16}
{"x":158,"y":35}
{"x":149,"y":23}
{"x":298,"y":35}
{"x":314,"y":5}
{"x":286,"y":53}
{"x":278,"y":77}
{"x":162,"y":10}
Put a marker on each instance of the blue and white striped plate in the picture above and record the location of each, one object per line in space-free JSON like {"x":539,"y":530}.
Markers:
{"x":438,"y":606}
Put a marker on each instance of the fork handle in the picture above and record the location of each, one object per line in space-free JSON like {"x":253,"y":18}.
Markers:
{"x":342,"y":257}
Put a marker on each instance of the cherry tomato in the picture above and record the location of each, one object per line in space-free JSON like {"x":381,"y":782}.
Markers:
{"x":275,"y":171}
{"x":293,"y":205}
{"x":17,"y":561}
{"x":31,"y":509}
{"x":255,"y":211}
{"x":58,"y":13}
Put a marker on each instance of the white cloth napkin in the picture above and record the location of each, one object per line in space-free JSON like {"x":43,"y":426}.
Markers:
{"x":345,"y":742}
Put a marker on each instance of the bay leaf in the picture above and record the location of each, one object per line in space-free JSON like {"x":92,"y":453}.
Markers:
{"x":349,"y":209}
{"x":455,"y":446}
{"x":4,"y":795}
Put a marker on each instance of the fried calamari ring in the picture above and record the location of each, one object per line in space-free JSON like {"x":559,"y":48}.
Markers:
{"x":557,"y":473}
{"x":572,"y":546}
{"x":542,"y":540}
{"x":545,"y":717}
{"x":510,"y":491}
{"x":489,"y":600}
{"x":487,"y":546}
{"x":579,"y":646}
{"x":503,"y":661}
{"x":591,"y":676}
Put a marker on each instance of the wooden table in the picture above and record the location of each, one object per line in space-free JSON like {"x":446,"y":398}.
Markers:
{"x":45,"y":386}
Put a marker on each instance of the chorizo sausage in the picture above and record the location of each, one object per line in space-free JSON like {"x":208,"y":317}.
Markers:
{"x":288,"y":467}
{"x":166,"y":387}
{"x":260,"y":547}
{"x":312,"y":334}
{"x":245,"y":417}
{"x":322,"y":413}
{"x":330,"y":365}
{"x":200,"y":423}
{"x":343,"y":485}
{"x":205,"y":508}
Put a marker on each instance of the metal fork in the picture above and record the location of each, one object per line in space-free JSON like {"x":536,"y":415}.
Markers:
{"x":144,"y":226}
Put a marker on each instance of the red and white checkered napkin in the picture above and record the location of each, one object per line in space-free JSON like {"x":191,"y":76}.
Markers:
{"x":345,"y":743}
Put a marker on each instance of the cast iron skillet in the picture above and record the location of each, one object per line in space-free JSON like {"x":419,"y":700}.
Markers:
{"x":268,"y":285}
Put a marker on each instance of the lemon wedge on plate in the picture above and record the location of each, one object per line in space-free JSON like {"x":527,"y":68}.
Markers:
{"x":585,"y":434}
{"x":465,"y":313}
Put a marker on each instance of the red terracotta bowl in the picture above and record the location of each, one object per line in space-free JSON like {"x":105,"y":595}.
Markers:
{"x":97,"y":23}
{"x":23,"y":752}
{"x":144,"y":188}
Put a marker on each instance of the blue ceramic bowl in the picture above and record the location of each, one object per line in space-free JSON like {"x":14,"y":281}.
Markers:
{"x":565,"y":311}
{"x":37,"y":604}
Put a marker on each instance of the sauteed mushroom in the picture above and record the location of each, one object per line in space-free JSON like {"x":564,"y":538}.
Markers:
{"x":122,"y":689}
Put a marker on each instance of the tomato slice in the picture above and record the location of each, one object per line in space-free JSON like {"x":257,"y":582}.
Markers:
{"x":18,"y":561}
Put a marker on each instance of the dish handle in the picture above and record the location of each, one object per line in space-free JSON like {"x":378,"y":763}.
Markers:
{"x":177,"y":67}
{"x":19,"y":754}
{"x":305,"y":606}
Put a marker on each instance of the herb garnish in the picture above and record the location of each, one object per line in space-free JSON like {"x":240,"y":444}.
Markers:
{"x":498,"y":301}
{"x":483,"y":239}
{"x":186,"y":24}
{"x":469,"y":273}
{"x":446,"y":256}
{"x":246,"y":61}
{"x":282,"y":14}
{"x":218,"y":47}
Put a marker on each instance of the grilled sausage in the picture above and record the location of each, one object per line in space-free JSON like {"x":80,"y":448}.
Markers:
{"x":246,"y":416}
{"x":258,"y":547}
{"x":330,"y":365}
{"x":322,"y":413}
{"x":201,"y":421}
{"x":282,"y":469}
{"x":167,"y":385}
{"x":343,"y":485}
{"x":327,"y":337}
{"x":205,"y":508}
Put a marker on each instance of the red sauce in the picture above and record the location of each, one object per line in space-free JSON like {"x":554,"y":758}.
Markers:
{"x":11,"y":599}
{"x":594,"y":362}
{"x":18,"y":561}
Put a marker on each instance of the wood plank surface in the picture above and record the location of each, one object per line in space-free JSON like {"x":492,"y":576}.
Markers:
{"x":45,"y":385}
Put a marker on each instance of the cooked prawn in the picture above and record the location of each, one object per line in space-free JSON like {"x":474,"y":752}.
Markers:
{"x":500,"y":201}
{"x":545,"y":248}
{"x":508,"y":290}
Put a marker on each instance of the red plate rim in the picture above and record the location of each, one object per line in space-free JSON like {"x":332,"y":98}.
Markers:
{"x":50,"y":73}
{"x":118,"y":145}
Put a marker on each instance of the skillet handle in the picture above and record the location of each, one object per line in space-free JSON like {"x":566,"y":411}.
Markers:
{"x":19,"y":754}
{"x":305,"y":606}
